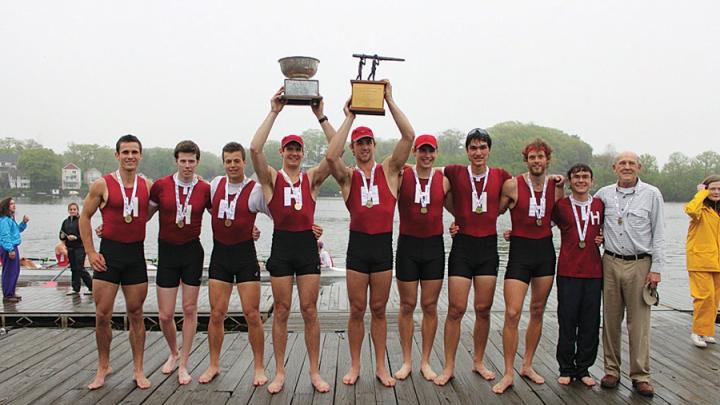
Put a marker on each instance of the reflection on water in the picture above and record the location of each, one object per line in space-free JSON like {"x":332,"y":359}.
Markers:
{"x":45,"y":219}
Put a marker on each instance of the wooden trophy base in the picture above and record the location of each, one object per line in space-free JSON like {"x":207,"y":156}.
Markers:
{"x":368,"y":97}
{"x":301,"y":92}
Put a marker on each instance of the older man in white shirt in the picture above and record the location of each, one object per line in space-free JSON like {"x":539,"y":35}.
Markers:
{"x":634,"y":257}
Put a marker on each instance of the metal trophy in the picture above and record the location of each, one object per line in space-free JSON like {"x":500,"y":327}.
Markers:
{"x":368,"y":96}
{"x":299,"y":89}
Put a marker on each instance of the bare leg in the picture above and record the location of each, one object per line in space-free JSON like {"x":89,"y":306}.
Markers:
{"x":134,"y":299}
{"x":166,"y":298}
{"x":357,"y":286}
{"x":189,"y":305}
{"x":484,"y":295}
{"x":514,"y":292}
{"x":458,"y":290}
{"x":282,"y":295}
{"x":219,"y":299}
{"x":429,"y":293}
{"x":539,"y":292}
{"x":380,"y":284}
{"x":406,"y":325}
{"x":104,"y":295}
{"x":250,"y":300}
{"x":308,"y":290}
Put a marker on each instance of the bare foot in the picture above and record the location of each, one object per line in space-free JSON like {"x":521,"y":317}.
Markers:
{"x":588,"y":381}
{"x":260,"y":377}
{"x":184,"y":377}
{"x":483,"y":371}
{"x":404,"y":371}
{"x":208,"y":375}
{"x":318,"y":382}
{"x":277,"y":383}
{"x":351,"y":376}
{"x":169,"y":365}
{"x":564,"y":380}
{"x":141,"y":381}
{"x":505,"y":383}
{"x":99,"y":380}
{"x":532,"y":375}
{"x":427,"y":372}
{"x":443,"y":378}
{"x":383,"y":375}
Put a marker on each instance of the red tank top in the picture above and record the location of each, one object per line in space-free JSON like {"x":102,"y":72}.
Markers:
{"x":241,"y":228}
{"x":286,"y":217}
{"x":523,"y":224}
{"x":574,"y":261}
{"x":162,"y":193}
{"x":412,"y":221}
{"x":471,"y":223}
{"x":114,"y":225}
{"x":379,"y":218}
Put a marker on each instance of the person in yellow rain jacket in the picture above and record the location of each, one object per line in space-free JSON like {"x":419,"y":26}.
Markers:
{"x":703,"y":259}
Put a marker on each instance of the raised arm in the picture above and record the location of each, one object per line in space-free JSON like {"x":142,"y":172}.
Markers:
{"x":93,"y":200}
{"x":404,"y":146}
{"x":264,"y":172}
{"x":337,"y":166}
{"x":319,"y":173}
{"x":694,"y":207}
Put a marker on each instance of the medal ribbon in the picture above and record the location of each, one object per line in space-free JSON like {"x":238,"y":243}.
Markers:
{"x":621,"y":212}
{"x":128,"y":204}
{"x":585,"y":213}
{"x":424,"y":195}
{"x":297,"y":192}
{"x":486,"y":176}
{"x":181,"y":210}
{"x":372,"y":181}
{"x":230,"y":206}
{"x":539,"y":208}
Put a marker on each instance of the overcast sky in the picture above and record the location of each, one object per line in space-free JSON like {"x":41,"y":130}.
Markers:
{"x":640,"y":75}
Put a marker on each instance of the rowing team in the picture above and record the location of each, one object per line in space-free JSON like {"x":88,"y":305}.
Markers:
{"x":474,"y":194}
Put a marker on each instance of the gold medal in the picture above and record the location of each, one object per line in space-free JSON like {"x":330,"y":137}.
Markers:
{"x":228,"y":223}
{"x":538,"y":222}
{"x":620,"y":221}
{"x":128,"y":219}
{"x":369,"y":204}
{"x":180,"y":224}
{"x":582,"y":244}
{"x":298,"y":206}
{"x":423,"y":210}
{"x":478,"y":210}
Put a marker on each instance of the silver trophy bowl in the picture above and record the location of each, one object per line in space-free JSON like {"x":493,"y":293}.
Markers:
{"x":299,"y":67}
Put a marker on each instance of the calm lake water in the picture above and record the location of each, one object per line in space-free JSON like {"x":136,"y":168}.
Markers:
{"x":42,"y":234}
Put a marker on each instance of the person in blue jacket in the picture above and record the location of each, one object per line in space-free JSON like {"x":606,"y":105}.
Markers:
{"x":9,"y":242}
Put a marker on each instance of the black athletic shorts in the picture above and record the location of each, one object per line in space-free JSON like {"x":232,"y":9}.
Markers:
{"x":293,"y":253}
{"x":125,"y":263}
{"x":529,"y":258}
{"x":234,"y":263}
{"x":471,"y":256}
{"x":179,"y":262}
{"x":369,"y":253}
{"x":420,"y":258}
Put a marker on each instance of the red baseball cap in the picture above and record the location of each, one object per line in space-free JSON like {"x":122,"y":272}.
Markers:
{"x":361,"y":132}
{"x":425,"y":140}
{"x":291,"y":138}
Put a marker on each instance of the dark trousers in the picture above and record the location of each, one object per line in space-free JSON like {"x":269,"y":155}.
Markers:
{"x":579,"y":321}
{"x":10,"y":272}
{"x":76,"y":256}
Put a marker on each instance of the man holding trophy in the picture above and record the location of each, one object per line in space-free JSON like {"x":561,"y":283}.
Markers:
{"x":291,"y":193}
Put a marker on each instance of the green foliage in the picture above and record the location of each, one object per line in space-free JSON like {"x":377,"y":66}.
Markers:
{"x":42,"y":166}
{"x":676,"y":179}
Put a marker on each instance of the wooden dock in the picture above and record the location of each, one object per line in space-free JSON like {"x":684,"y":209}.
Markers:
{"x":53,"y":365}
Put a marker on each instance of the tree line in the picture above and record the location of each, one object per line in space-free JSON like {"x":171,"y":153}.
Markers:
{"x":676,"y":179}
